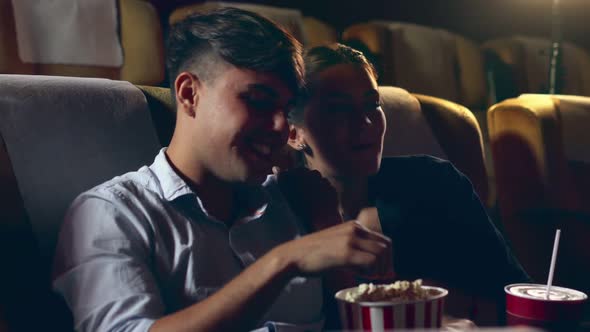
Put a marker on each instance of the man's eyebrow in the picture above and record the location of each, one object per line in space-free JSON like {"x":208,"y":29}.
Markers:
{"x":371,"y":93}
{"x":263,"y":88}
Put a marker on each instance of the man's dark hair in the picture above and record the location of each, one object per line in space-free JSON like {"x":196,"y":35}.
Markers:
{"x":240,"y":38}
{"x":320,"y":58}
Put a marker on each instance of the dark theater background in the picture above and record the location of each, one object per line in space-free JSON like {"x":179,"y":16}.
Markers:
{"x":500,"y":88}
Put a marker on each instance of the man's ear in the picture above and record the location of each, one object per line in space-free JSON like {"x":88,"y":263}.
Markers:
{"x":187,"y":87}
{"x":296,"y":139}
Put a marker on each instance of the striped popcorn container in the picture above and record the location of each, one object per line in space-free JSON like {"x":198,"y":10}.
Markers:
{"x":388,"y":316}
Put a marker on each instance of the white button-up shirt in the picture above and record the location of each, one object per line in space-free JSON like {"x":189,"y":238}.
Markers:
{"x":141,"y":246}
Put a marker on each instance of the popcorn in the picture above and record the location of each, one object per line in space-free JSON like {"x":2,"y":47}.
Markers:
{"x":400,"y":290}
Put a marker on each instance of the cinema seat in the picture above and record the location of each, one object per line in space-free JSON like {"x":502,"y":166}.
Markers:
{"x":309,"y":31}
{"x":60,"y":136}
{"x":406,"y":55}
{"x":541,"y":151}
{"x":521,"y":65}
{"x":420,"y":124}
{"x":316,"y":32}
{"x":140,"y":34}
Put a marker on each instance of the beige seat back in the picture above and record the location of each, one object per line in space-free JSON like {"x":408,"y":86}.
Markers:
{"x":527,"y":59}
{"x":66,"y":135}
{"x":425,"y":60}
{"x":291,"y":19}
{"x":309,"y":31}
{"x":420,"y":124}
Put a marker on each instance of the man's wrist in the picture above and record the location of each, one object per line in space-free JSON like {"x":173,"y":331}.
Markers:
{"x":281,"y":260}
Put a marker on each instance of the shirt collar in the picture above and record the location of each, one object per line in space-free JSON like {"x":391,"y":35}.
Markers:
{"x":172,"y":186}
{"x":252,"y":200}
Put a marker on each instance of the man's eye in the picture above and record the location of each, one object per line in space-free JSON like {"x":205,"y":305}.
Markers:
{"x":339,"y":108}
{"x":260,"y":104}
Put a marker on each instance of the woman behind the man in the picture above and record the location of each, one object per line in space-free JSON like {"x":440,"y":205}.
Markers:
{"x":439,"y":228}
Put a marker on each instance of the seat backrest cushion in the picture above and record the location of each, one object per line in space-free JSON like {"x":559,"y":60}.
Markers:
{"x":424,"y":60}
{"x":66,"y":135}
{"x":458,"y":133}
{"x":542,"y":159}
{"x":10,"y":63}
{"x":408,"y":132}
{"x":317,"y":33}
{"x":143,"y":43}
{"x":529,"y":58}
{"x":472,"y":76}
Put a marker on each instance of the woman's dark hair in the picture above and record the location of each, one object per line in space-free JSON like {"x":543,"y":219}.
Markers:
{"x":241,"y":38}
{"x":319,"y":59}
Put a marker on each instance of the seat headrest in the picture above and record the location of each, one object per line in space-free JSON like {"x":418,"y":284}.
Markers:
{"x":408,"y":132}
{"x":66,"y":135}
{"x":573,"y":113}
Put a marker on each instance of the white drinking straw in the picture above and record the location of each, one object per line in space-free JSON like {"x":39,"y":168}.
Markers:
{"x":553,"y":258}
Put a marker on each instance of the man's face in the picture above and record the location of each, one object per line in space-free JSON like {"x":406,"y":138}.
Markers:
{"x":240,"y":123}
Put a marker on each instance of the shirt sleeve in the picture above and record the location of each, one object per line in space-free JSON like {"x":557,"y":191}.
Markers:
{"x":102,"y":267}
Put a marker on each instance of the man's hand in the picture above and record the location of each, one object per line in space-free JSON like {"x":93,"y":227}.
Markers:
{"x":347,"y":245}
{"x":311,"y":197}
{"x":383,"y":272}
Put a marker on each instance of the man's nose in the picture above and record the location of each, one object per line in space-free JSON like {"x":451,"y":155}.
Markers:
{"x":279,"y":121}
{"x":363,"y":120}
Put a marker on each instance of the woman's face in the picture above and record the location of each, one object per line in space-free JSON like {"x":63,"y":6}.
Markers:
{"x":343,"y":122}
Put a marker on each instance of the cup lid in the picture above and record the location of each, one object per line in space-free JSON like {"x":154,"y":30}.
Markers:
{"x":539,"y":292}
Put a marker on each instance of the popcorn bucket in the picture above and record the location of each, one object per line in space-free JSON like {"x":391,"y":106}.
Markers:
{"x":391,"y":315}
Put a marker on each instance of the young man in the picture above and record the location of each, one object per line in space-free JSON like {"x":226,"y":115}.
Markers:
{"x":194,"y":242}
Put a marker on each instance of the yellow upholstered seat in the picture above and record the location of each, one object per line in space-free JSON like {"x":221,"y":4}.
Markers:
{"x":10,"y":63}
{"x":308,"y":30}
{"x":425,"y":60}
{"x":527,"y":64}
{"x":316,"y":32}
{"x":541,"y":151}
{"x":291,"y":19}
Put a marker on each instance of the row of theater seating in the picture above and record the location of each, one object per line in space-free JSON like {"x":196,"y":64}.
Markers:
{"x":421,"y":59}
{"x":60,"y":136}
{"x":140,"y":35}
{"x":447,"y":65}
